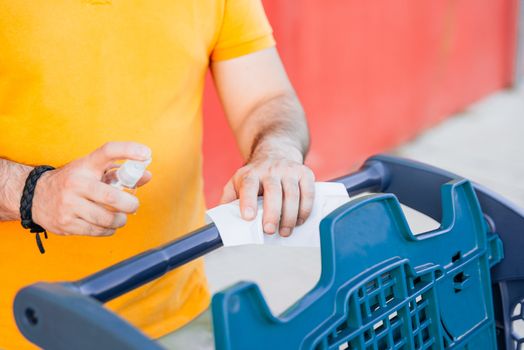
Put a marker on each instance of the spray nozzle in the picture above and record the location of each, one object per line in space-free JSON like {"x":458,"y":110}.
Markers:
{"x":131,"y":171}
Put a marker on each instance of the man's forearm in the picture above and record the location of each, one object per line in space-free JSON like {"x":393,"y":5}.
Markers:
{"x":12,"y":180}
{"x":272,"y":134}
{"x":275,"y":127}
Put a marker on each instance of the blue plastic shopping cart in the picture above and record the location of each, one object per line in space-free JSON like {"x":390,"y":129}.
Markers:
{"x":460,"y":286}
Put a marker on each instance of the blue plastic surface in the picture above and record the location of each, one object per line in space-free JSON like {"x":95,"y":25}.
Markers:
{"x":381,"y":287}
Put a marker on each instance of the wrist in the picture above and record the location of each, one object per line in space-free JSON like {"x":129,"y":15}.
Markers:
{"x":12,"y":186}
{"x":277,"y":149}
{"x":26,"y":204}
{"x":39,"y":197}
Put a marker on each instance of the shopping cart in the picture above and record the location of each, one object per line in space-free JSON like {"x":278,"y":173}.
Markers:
{"x":460,"y":286}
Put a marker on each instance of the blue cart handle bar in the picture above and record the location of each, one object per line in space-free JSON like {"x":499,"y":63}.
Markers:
{"x":415,"y":184}
{"x":136,"y":271}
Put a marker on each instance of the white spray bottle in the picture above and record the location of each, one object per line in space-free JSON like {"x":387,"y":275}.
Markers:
{"x":127,"y":175}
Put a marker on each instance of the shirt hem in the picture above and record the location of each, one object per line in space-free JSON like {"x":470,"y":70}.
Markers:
{"x":251,"y":46}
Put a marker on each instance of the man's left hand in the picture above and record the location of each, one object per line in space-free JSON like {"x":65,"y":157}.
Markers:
{"x":288,"y":188}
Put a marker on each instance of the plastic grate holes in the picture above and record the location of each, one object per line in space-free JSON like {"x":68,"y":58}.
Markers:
{"x":393,"y":318}
{"x":374,"y":302}
{"x":412,"y":305}
{"x":385,"y":334}
{"x":459,"y":280}
{"x":376,"y":294}
{"x":456,"y":257}
{"x":379,"y":326}
{"x":422,"y":315}
{"x":425,"y":334}
{"x":338,"y":332}
{"x":383,"y":344}
{"x":397,"y":335}
{"x":396,"y":332}
{"x":389,"y":294}
{"x":420,"y":322}
{"x":368,"y":335}
{"x":342,"y":327}
{"x":370,"y":300}
{"x":371,"y":286}
{"x":321,"y":346}
{"x":415,"y":283}
{"x":386,"y":278}
{"x":417,"y":342}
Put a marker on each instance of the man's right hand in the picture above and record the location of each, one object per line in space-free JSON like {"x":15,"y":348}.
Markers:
{"x":72,"y":200}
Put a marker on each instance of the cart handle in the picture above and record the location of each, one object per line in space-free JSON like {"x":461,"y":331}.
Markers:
{"x":134,"y":272}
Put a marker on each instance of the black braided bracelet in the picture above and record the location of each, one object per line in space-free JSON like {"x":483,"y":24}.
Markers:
{"x":26,"y":204}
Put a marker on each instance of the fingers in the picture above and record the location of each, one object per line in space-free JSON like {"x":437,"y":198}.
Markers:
{"x":272,"y":204}
{"x":248,"y":193}
{"x":288,"y":202}
{"x":104,"y":156}
{"x":288,"y":189}
{"x":229,"y":194}
{"x":100,"y":216}
{"x":107,"y":195}
{"x":307,"y":196}
{"x":84,"y":228}
{"x":291,"y":199}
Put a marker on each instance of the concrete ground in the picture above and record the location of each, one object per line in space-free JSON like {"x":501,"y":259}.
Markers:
{"x":484,"y":143}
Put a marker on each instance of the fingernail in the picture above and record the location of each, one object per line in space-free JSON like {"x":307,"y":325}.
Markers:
{"x":269,"y":228}
{"x":249,"y":213}
{"x":300,"y":221}
{"x":285,"y":231}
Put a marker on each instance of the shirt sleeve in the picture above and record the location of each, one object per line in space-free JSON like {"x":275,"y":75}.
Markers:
{"x":245,"y":29}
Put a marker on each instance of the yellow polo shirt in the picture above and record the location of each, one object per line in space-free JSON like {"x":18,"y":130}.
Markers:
{"x":75,"y":74}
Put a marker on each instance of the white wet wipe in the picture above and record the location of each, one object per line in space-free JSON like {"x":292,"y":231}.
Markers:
{"x":236,"y":231}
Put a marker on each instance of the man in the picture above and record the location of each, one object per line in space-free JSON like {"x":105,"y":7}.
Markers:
{"x":78,"y":77}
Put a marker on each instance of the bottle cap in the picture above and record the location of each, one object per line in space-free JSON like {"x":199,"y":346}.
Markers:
{"x":131,"y":171}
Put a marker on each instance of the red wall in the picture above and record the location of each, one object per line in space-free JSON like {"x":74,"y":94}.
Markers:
{"x":373,"y":74}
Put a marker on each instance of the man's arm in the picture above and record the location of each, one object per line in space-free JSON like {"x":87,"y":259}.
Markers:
{"x":271,"y":131}
{"x":12,"y":180}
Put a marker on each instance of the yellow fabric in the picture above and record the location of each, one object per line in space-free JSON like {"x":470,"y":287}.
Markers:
{"x":75,"y":74}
